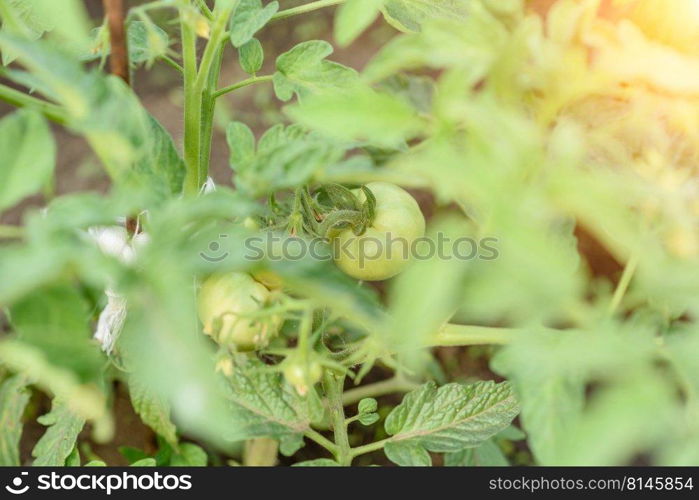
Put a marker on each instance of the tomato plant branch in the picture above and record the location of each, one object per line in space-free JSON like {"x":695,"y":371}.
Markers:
{"x":623,"y":285}
{"x":192,"y":105}
{"x":205,"y":9}
{"x":171,"y":62}
{"x":321,"y":440}
{"x":465,"y":335}
{"x":392,"y":385}
{"x":368,"y":448}
{"x":200,"y":85}
{"x":240,"y":85}
{"x":333,"y":389}
{"x":303,"y":9}
{"x":17,"y":98}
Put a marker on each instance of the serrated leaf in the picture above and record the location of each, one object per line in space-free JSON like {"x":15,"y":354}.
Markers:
{"x":55,"y":319}
{"x":353,"y":17}
{"x":318,"y":462}
{"x":552,"y":400}
{"x":14,"y":396}
{"x":251,"y":56}
{"x":410,"y":15}
{"x":190,"y":455}
{"x":449,"y":418}
{"x":70,"y":23}
{"x":241,"y":143}
{"x":488,"y":454}
{"x":265,"y":406}
{"x":84,"y":400}
{"x":407,"y":454}
{"x":154,"y":412}
{"x":290,"y":444}
{"x":73,"y":459}
{"x":303,"y":70}
{"x":58,"y":441}
{"x":28,"y":153}
{"x":367,"y":405}
{"x":249,"y":17}
{"x":134,"y":149}
{"x":368,"y":419}
{"x":368,"y":116}
{"x":144,"y":462}
{"x":146,"y":41}
{"x":161,"y":165}
{"x":20,"y":18}
{"x":286,"y":157}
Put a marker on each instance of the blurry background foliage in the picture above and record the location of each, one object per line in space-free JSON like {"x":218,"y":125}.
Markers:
{"x":568,"y":130}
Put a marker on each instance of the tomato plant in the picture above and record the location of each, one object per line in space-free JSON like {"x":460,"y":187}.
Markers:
{"x":479,"y":249}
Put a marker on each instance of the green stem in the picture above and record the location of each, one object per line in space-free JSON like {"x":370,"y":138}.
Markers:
{"x":199,"y":101}
{"x":171,"y":62}
{"x":208,"y":110}
{"x":465,"y":335}
{"x":244,"y":83}
{"x":192,"y":106}
{"x":205,"y":9}
{"x":333,"y":389}
{"x":390,"y":386}
{"x":17,"y":98}
{"x":11,"y":231}
{"x":368,"y":448}
{"x":303,"y":9}
{"x":321,"y":440}
{"x":623,"y":285}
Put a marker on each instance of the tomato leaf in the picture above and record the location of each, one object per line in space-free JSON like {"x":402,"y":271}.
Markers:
{"x":28,"y":151}
{"x":250,"y":17}
{"x":57,"y":443}
{"x":446,"y":419}
{"x":303,"y":70}
{"x":409,"y":15}
{"x":265,"y":405}
{"x":154,"y":411}
{"x":14,"y":396}
{"x":251,"y":56}
{"x":353,"y":17}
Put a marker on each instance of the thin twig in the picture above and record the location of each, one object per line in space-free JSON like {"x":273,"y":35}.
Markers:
{"x":119,"y":58}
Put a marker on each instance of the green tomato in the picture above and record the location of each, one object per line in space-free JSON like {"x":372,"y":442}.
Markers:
{"x":384,"y":249}
{"x":302,"y":376}
{"x":225,"y":300}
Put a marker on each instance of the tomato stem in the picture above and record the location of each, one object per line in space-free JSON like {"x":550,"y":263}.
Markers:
{"x":303,"y":9}
{"x":244,"y":83}
{"x":466,"y":335}
{"x":623,"y":285}
{"x":369,"y":448}
{"x":17,"y":98}
{"x":321,"y":440}
{"x":333,"y":389}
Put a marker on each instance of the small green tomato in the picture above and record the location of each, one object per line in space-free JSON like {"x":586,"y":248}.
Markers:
{"x":224,"y":302}
{"x":383,"y":251}
{"x":302,"y":376}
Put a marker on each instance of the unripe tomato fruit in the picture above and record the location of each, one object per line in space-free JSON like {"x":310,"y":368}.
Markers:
{"x":302,"y":376}
{"x":384,"y":249}
{"x":224,"y":300}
